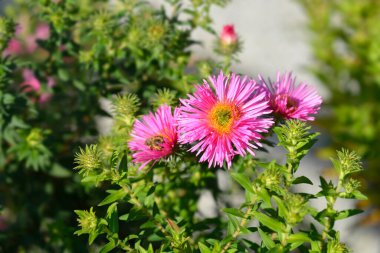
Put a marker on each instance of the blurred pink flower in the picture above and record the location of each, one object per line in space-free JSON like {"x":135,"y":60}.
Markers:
{"x":224,"y":122}
{"x":32,"y":84}
{"x":14,"y":47}
{"x":228,"y":35}
{"x":290,"y":101}
{"x":27,"y":45}
{"x":154,"y":136}
{"x":42,"y":33}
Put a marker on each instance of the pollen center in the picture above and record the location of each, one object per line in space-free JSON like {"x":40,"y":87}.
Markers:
{"x":222,"y":117}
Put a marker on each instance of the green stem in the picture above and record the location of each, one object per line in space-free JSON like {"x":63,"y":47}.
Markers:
{"x":243,"y":222}
{"x":146,"y":212}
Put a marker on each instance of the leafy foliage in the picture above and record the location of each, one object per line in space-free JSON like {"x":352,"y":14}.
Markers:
{"x":58,"y":60}
{"x":345,"y":42}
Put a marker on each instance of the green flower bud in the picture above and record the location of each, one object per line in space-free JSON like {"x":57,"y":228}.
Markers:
{"x":337,"y":247}
{"x":297,"y":208}
{"x":125,"y":106}
{"x":88,"y":159}
{"x":156,"y":32}
{"x":87,"y":221}
{"x":86,"y":57}
{"x":164,"y":96}
{"x":347,"y":163}
{"x":34,"y":138}
{"x":352,"y":185}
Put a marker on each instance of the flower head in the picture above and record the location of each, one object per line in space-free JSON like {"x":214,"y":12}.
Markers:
{"x":154,"y":136}
{"x":27,"y":43}
{"x":228,"y":35}
{"x":290,"y":101}
{"x":32,"y":84}
{"x":225,"y":121}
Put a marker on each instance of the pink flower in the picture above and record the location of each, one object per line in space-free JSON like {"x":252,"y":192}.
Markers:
{"x":32,"y":84}
{"x":42,"y":33}
{"x":225,"y":121}
{"x":154,"y":136}
{"x":228,"y":35}
{"x":27,"y":44}
{"x":290,"y":101}
{"x":14,"y":48}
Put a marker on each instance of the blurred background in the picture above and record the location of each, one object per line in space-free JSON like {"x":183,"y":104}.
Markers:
{"x":333,"y":45}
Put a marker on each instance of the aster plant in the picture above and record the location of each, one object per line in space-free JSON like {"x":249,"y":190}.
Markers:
{"x":167,"y":158}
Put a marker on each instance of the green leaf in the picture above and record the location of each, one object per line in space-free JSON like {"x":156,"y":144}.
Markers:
{"x":282,"y":211}
{"x":302,"y":180}
{"x":269,"y":222}
{"x":298,"y":238}
{"x":264,"y":195}
{"x":92,"y":236}
{"x":114,"y":196}
{"x":108,"y":247}
{"x":360,"y":196}
{"x":203,"y":248}
{"x":267,"y":240}
{"x":276,"y":249}
{"x":234,"y":212}
{"x":124,"y":217}
{"x":59,"y":171}
{"x":244,"y":181}
{"x":347,"y":213}
{"x":123,"y":165}
{"x":113,"y":218}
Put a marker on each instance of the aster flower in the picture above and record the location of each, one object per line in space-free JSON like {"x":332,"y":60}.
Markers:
{"x":290,"y":101}
{"x":225,"y":121}
{"x":27,"y":43}
{"x":32,"y":84}
{"x":154,"y":136}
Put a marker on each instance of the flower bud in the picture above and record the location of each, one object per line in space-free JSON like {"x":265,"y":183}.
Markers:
{"x":87,"y":221}
{"x":88,"y":159}
{"x":228,"y":35}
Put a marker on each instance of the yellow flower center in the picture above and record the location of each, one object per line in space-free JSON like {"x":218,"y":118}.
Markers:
{"x":222,"y":116}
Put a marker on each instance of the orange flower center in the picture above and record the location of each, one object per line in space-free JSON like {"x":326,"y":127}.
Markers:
{"x":222,"y":116}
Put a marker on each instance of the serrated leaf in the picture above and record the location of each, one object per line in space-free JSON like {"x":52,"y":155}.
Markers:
{"x":244,"y":181}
